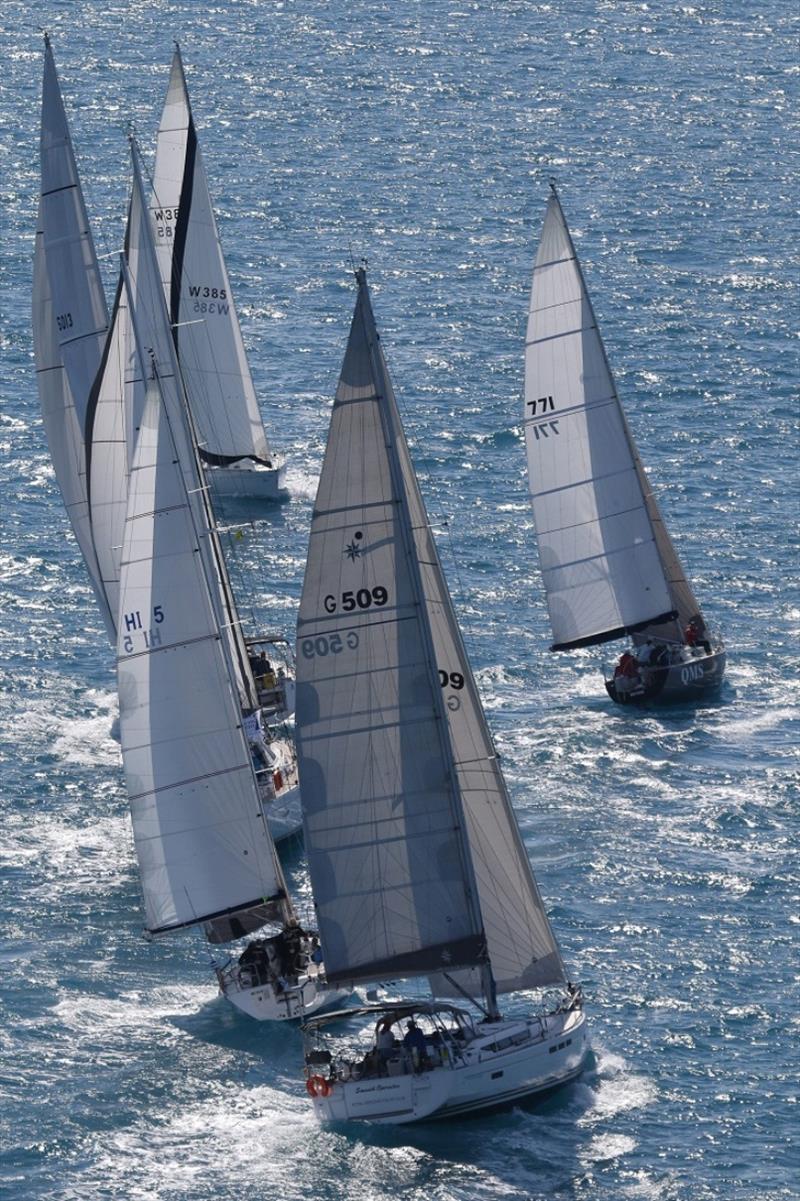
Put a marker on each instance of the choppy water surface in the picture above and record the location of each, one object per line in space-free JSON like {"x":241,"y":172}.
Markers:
{"x":421,"y":135}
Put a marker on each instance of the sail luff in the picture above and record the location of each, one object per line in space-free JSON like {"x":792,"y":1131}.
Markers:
{"x":201,"y":838}
{"x":599,"y":556}
{"x":207,"y":333}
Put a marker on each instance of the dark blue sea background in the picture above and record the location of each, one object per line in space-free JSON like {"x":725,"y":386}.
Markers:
{"x":421,"y":135}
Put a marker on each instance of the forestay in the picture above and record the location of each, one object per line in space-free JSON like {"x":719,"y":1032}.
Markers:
{"x":600,"y":561}
{"x":393,"y":777}
{"x":198,"y":291}
{"x":202,"y":844}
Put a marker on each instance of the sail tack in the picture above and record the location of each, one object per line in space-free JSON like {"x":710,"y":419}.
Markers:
{"x":600,"y":560}
{"x":198,"y":291}
{"x":394,"y":793}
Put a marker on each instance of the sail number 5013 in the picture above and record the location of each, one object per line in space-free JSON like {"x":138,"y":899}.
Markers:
{"x":363,"y":599}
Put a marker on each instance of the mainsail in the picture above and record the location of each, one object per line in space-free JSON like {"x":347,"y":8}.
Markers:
{"x":415,"y":857}
{"x":69,"y":323}
{"x":206,"y":328}
{"x":203,"y":847}
{"x":600,"y":536}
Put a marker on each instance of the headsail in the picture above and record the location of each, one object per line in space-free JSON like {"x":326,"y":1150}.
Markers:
{"x":206,"y":327}
{"x":407,"y":819}
{"x":69,"y":320}
{"x":203,"y":847}
{"x":599,"y":554}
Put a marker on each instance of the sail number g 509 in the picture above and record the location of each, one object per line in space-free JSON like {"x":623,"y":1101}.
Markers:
{"x":363,"y":599}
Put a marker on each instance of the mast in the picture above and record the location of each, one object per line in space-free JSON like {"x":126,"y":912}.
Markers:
{"x":600,"y":560}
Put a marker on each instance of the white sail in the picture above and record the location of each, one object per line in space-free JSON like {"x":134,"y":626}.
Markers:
{"x":64,"y":422}
{"x":154,"y":336}
{"x":201,"y":841}
{"x":207,"y":334}
{"x":406,"y":814}
{"x":79,"y":304}
{"x":600,"y":560}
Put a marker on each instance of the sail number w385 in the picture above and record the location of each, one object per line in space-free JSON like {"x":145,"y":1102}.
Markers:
{"x":363,"y":599}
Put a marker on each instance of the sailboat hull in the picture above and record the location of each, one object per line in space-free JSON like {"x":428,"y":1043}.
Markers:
{"x":248,"y":481}
{"x":692,"y":682}
{"x":309,"y":996}
{"x":283,"y":813}
{"x":512,"y":1061}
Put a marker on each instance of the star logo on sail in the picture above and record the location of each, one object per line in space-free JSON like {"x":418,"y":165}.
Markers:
{"x":353,"y":550}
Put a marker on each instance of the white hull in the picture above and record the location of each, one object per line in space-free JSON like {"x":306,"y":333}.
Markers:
{"x":506,"y":1062}
{"x":248,"y":481}
{"x":283,"y":813}
{"x":263,"y":1003}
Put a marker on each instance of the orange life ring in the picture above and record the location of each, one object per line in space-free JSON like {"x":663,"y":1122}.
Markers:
{"x":318,"y":1086}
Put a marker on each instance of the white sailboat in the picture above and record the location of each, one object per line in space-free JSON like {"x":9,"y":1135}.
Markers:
{"x":197,"y":796}
{"x":70,"y":323}
{"x":416,"y":861}
{"x":608,"y":565}
{"x":232,"y":439}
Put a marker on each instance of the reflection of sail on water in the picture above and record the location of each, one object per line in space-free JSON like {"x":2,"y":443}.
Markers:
{"x":414,"y":853}
{"x":206,"y":328}
{"x":69,"y":323}
{"x":601,"y":539}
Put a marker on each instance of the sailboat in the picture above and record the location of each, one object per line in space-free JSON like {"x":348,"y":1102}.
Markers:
{"x":197,"y":797}
{"x":416,"y":861}
{"x":232,"y":440}
{"x":609,"y":566}
{"x":70,"y":324}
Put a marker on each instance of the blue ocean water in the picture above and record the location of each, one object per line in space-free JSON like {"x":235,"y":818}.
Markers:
{"x":421,"y":135}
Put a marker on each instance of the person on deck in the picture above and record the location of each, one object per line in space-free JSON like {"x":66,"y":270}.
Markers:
{"x":414,"y":1039}
{"x":626,"y":673}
